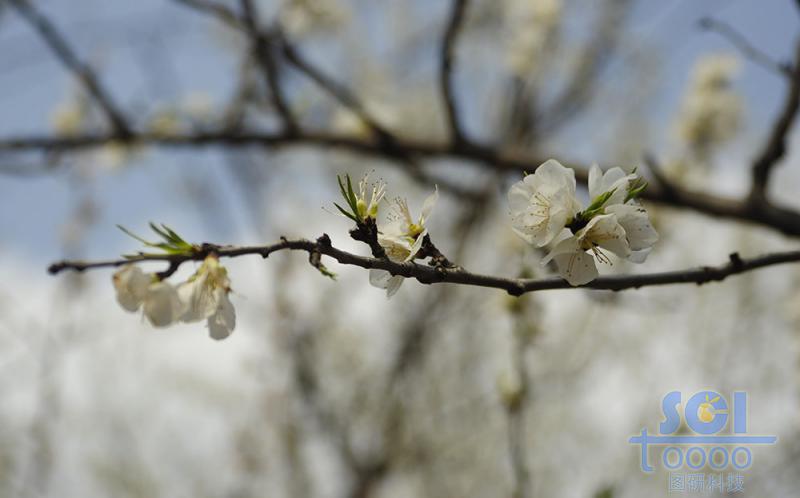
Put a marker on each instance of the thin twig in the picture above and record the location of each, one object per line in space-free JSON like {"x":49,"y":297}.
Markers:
{"x":747,"y":49}
{"x":431,"y":275}
{"x":336,"y":90}
{"x":775,"y":148}
{"x":453,"y":29}
{"x":61,"y":48}
{"x":218,"y":10}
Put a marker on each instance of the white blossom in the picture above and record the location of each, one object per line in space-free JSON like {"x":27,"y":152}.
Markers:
{"x":542,"y":203}
{"x":401,"y":238}
{"x":158,"y":300}
{"x":205,"y":296}
{"x":615,"y":223}
{"x":614,"y":179}
{"x":369,"y":197}
{"x":131,"y":285}
{"x":545,"y":212}
{"x":569,"y":251}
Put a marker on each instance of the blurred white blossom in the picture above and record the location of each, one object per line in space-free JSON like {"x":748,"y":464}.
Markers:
{"x":159,"y":300}
{"x":347,"y":122}
{"x":198,"y":106}
{"x":530,"y":25}
{"x":711,"y":112}
{"x":302,"y":17}
{"x":164,"y":122}
{"x":205,"y":295}
{"x":68,"y":119}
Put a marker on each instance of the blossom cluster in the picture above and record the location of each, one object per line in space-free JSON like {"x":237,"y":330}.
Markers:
{"x":545,"y":212}
{"x":204,"y":296}
{"x":400,"y":236}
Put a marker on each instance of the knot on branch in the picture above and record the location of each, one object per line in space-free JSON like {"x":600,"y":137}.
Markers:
{"x":736,"y":261}
{"x":367,"y":232}
{"x":315,"y":256}
{"x":437,"y":259}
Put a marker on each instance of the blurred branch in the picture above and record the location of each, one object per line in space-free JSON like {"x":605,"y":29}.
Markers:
{"x":453,"y":29}
{"x":516,"y":406}
{"x":764,"y":213}
{"x":339,"y":92}
{"x":592,"y":60}
{"x":775,"y":148}
{"x":263,"y":46}
{"x":745,"y":47}
{"x":58,"y":44}
{"x":220,"y":11}
{"x":454,"y":275}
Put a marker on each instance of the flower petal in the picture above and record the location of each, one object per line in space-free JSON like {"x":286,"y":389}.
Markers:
{"x":379,"y":278}
{"x":382,"y":279}
{"x":577,"y":268}
{"x":223,"y":321}
{"x":552,"y":172}
{"x":638,"y":229}
{"x":131,"y":285}
{"x":564,"y":243}
{"x":595,"y":181}
{"x":605,"y":231}
{"x":394,"y":285}
{"x":199,"y":298}
{"x":428,"y":205}
{"x":162,"y":306}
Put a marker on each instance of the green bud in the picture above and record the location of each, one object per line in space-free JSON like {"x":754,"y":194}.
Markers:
{"x":361,"y":208}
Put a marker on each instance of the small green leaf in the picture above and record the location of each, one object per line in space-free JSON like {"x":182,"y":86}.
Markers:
{"x":133,"y":235}
{"x":326,"y":272}
{"x":350,"y":191}
{"x":345,"y":212}
{"x":164,"y":235}
{"x":600,"y":200}
{"x":636,"y":189}
{"x":341,"y":187}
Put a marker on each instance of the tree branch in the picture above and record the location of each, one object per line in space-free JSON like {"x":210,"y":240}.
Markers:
{"x":439,"y":274}
{"x":454,"y":25}
{"x":263,"y":47}
{"x":775,"y":148}
{"x":58,"y":44}
{"x":782,"y":219}
{"x":336,"y":90}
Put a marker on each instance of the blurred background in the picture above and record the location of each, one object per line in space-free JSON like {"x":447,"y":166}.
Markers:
{"x":326,"y":388}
